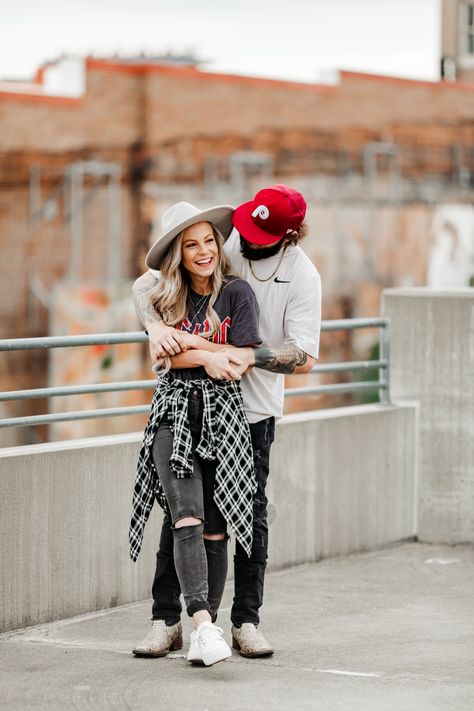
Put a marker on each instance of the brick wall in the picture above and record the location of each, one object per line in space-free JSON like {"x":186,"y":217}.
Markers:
{"x":110,"y":115}
{"x":161,"y":125}
{"x":125,"y":103}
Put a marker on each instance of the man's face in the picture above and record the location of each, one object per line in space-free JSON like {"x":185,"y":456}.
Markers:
{"x":253,"y":245}
{"x":253,"y":251}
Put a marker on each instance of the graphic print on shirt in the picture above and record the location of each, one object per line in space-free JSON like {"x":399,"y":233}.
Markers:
{"x":200,"y":329}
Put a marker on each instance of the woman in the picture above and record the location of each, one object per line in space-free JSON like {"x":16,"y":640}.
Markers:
{"x":196,"y":456}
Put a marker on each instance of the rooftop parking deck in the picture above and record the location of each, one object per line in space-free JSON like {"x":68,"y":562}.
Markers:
{"x":382,"y":631}
{"x":388,"y":628}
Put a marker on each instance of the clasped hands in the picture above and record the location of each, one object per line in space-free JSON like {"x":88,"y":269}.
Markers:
{"x":221,"y":362}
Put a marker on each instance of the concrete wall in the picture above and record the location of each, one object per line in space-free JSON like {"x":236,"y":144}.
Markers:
{"x":342,"y":480}
{"x":63,"y":526}
{"x":432,"y":358}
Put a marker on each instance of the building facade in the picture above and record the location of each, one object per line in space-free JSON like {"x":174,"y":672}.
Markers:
{"x":86,"y":173}
{"x":457,"y":40}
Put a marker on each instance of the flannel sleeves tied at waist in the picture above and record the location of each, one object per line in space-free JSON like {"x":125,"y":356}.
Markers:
{"x":225,"y":437}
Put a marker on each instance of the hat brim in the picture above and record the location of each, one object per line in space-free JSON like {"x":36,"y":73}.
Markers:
{"x":220,"y":217}
{"x":243,"y":223}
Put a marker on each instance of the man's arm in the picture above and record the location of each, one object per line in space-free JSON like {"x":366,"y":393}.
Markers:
{"x":142,"y":290}
{"x":163,"y":340}
{"x":284,"y":359}
{"x":219,"y":365}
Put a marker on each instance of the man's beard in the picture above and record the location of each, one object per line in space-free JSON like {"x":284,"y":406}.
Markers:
{"x":262,"y":253}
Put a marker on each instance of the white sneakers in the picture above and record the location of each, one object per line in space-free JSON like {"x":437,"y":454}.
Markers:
{"x":207,"y":645}
{"x":194,"y":654}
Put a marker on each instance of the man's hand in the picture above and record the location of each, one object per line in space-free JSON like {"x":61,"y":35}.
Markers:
{"x":189,"y":340}
{"x":163,"y":340}
{"x":222,"y":366}
{"x":245,"y":355}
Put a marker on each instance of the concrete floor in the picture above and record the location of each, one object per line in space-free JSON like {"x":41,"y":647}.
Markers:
{"x":392,"y":629}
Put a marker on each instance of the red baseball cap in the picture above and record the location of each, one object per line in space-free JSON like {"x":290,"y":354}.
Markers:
{"x":273,"y":213}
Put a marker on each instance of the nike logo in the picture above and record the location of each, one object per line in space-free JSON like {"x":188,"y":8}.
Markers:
{"x":280,"y":281}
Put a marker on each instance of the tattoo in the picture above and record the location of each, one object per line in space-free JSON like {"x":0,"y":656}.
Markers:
{"x":279,"y":360}
{"x":142,"y":290}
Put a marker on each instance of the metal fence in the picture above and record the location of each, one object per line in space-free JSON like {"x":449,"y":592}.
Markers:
{"x":382,"y":365}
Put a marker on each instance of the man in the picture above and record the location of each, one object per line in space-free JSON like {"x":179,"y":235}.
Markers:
{"x":264,"y":250}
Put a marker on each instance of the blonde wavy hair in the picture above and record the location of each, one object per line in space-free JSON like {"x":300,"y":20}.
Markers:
{"x":170,"y":298}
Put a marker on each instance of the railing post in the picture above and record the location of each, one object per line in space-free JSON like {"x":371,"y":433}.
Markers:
{"x":384,"y":372}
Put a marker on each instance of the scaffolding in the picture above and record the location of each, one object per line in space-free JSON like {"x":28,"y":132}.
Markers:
{"x":72,"y":184}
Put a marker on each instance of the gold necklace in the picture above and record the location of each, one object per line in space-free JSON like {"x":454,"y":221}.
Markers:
{"x":276,"y":268}
{"x":198,"y":307}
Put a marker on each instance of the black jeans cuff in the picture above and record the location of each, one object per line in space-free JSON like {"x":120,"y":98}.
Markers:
{"x":238,"y":623}
{"x":197,"y":606}
{"x":170,"y":621}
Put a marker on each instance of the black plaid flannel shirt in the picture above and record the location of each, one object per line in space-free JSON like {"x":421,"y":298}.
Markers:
{"x":225,"y":437}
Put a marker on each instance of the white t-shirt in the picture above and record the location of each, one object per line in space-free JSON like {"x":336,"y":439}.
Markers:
{"x":290,"y":312}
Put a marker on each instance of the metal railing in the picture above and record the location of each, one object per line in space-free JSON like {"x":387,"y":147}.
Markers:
{"x":382,"y":384}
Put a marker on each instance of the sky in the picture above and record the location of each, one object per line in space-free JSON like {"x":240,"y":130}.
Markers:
{"x":302,"y":40}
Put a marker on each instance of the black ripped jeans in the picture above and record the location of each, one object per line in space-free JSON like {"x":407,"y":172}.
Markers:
{"x":201,"y":564}
{"x":249,"y":572}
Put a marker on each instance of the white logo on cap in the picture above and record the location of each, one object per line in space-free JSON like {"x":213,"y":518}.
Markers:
{"x":261,"y":211}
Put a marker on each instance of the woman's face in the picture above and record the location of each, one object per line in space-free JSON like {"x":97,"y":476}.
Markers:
{"x":199,"y":251}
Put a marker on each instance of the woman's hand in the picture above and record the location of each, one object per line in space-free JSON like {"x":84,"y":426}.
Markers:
{"x":219,"y":365}
{"x":189,"y":340}
{"x":163,"y":340}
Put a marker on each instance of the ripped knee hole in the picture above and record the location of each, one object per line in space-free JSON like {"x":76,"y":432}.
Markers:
{"x":188,"y":521}
{"x":214,"y":536}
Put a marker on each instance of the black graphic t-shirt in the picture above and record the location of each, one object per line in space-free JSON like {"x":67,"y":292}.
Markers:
{"x":238,"y":312}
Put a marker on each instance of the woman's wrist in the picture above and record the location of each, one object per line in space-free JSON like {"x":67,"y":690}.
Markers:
{"x":204,"y":357}
{"x":197,"y":342}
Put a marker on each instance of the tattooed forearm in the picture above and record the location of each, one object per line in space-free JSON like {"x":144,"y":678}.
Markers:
{"x":279,"y":360}
{"x":142,"y":290}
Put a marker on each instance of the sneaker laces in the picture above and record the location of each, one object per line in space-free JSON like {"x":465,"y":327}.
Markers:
{"x":209,"y":633}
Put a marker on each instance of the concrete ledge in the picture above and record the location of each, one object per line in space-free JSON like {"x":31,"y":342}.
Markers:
{"x":64,"y":524}
{"x":341,"y":481}
{"x":432,"y":347}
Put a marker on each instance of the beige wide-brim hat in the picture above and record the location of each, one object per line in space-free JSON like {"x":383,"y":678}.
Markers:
{"x":183,"y":215}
